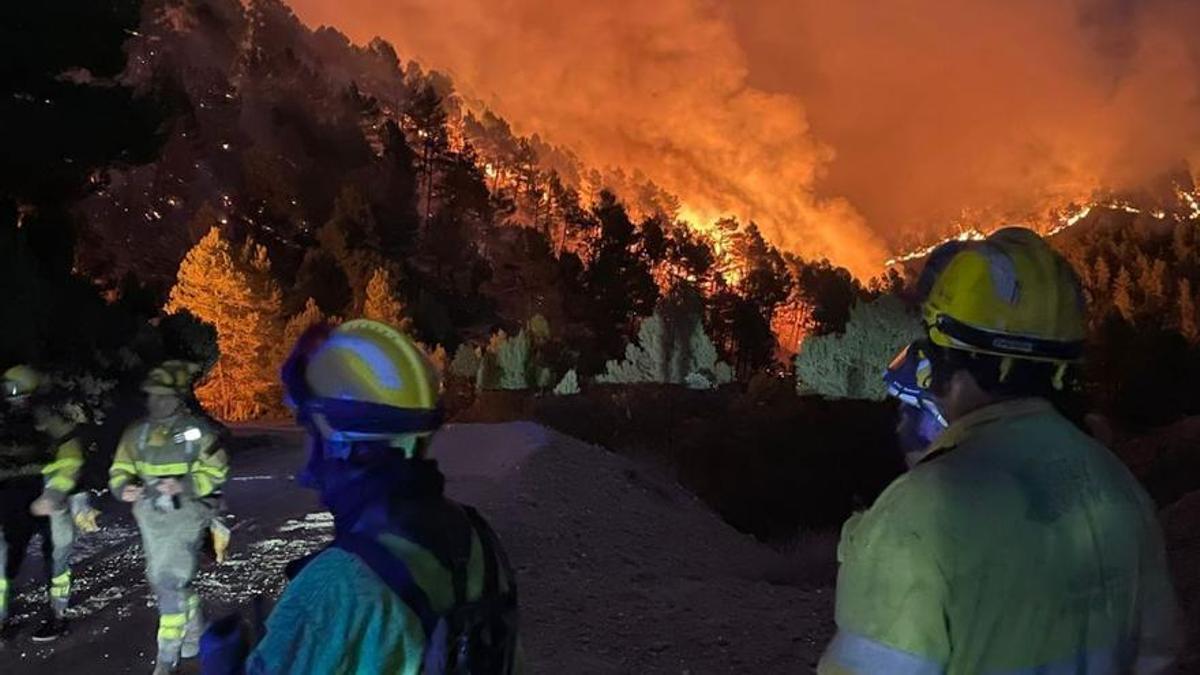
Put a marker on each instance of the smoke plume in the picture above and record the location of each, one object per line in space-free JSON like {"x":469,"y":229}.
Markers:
{"x":840,"y":127}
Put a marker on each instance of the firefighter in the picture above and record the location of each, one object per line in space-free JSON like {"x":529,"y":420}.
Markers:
{"x":1018,"y":544}
{"x":169,"y":466}
{"x":40,"y":470}
{"x":413,"y":583}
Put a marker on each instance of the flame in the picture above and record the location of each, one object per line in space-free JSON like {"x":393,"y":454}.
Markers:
{"x":841,"y":128}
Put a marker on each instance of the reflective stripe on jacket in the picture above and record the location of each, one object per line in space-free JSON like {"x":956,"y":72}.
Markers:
{"x":1019,"y":545}
{"x":62,"y":473}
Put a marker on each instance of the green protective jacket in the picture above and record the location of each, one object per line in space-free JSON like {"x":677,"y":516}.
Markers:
{"x":1018,"y":545}
{"x":338,"y":617}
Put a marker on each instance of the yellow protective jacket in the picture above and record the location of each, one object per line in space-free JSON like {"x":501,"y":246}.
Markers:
{"x":184,"y":446}
{"x":46,"y":446}
{"x":1018,"y":545}
{"x":62,"y":473}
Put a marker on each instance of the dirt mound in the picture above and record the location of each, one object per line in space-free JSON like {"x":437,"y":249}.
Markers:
{"x":623,"y":571}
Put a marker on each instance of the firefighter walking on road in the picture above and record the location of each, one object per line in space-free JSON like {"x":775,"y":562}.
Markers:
{"x":169,"y":466}
{"x":39,"y":468}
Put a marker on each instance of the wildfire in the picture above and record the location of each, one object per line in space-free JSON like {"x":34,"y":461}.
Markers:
{"x":966,"y":235}
{"x":1070,"y":218}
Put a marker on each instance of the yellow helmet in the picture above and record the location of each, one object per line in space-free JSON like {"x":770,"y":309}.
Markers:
{"x":1009,"y":295}
{"x":21,"y":382}
{"x":171,"y":378}
{"x":363,"y":380}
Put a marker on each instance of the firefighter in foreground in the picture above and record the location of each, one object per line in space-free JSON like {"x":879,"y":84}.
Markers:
{"x":413,"y":583}
{"x":39,"y":468}
{"x":1017,"y":544}
{"x":169,"y":466}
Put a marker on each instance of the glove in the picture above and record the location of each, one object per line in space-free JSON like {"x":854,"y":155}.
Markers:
{"x":220,"y":539}
{"x":83,"y":513}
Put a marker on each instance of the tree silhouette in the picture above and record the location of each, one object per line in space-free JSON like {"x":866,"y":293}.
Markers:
{"x":619,"y":281}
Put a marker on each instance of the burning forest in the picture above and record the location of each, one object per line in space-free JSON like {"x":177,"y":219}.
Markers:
{"x":694,"y":233}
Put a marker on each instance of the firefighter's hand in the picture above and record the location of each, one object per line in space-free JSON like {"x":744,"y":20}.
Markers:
{"x":85,"y":521}
{"x":132,"y":493}
{"x":83,"y":513}
{"x":42,"y":506}
{"x":169,"y":487}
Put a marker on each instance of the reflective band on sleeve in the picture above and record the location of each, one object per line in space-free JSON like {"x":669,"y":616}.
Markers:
{"x":61,"y":483}
{"x":65,"y":464}
{"x":1105,"y":661}
{"x":122,"y":467}
{"x":217,"y":472}
{"x":203,"y":484}
{"x":865,"y":656}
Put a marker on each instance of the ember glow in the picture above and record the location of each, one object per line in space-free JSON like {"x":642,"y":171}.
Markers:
{"x":842,"y":128}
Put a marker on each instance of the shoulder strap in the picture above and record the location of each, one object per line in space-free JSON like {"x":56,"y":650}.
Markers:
{"x":393,"y":572}
{"x":494,"y":556}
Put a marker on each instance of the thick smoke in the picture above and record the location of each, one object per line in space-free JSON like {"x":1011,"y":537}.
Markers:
{"x":838,"y":126}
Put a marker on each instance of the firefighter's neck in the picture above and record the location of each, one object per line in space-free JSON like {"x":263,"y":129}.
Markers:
{"x":962,"y":396}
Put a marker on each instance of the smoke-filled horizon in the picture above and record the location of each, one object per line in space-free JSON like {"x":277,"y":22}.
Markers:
{"x":838,"y":127}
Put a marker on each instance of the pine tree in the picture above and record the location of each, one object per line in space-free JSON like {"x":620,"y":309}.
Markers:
{"x":1189,"y":323}
{"x":310,"y":316}
{"x":1183,"y":242}
{"x":1122,"y":294}
{"x":1102,"y":276}
{"x":1156,"y":283}
{"x":235,"y":293}
{"x":382,"y":304}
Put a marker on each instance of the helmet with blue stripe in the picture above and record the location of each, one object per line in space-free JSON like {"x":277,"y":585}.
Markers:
{"x":362,"y":381}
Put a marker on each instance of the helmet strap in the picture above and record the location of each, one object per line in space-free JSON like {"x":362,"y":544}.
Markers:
{"x":1060,"y":374}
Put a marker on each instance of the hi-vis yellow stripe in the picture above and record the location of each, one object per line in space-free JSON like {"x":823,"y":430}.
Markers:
{"x":174,"y":469}
{"x":171,"y":626}
{"x":61,"y":483}
{"x":218,"y":472}
{"x":204,"y":484}
{"x":64,"y":464}
{"x":60,"y":586}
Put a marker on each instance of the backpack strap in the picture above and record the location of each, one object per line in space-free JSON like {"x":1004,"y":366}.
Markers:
{"x":494,"y":557}
{"x":391,"y":571}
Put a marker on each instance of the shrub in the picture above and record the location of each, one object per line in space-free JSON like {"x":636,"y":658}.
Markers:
{"x":672,"y":348}
{"x":569,"y":385}
{"x":467,"y":360}
{"x":851,"y":364}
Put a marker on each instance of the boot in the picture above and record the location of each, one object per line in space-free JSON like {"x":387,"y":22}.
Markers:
{"x":51,"y":629}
